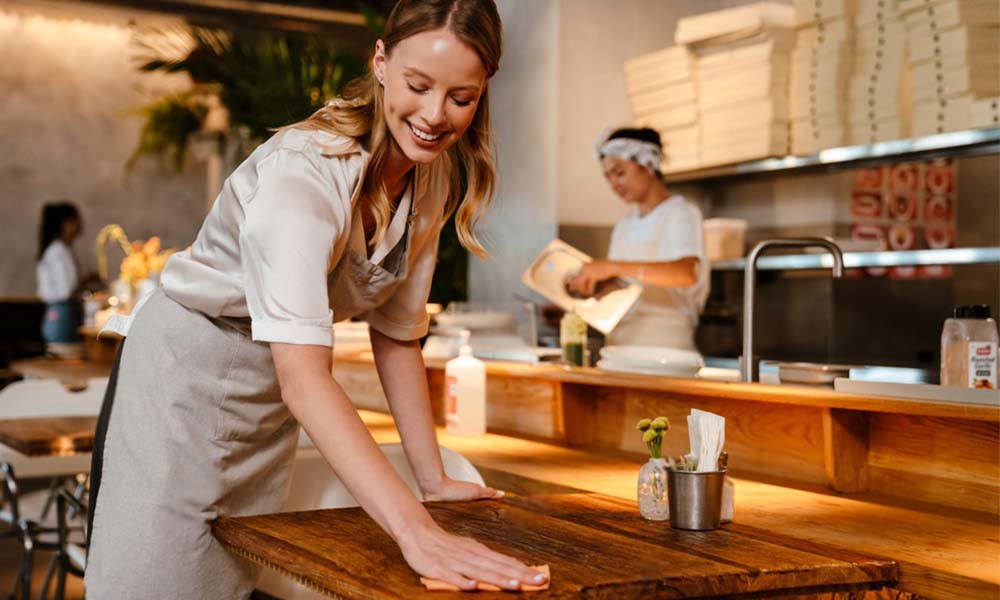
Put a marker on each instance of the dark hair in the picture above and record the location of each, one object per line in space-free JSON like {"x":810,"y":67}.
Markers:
{"x":643,"y":134}
{"x":54,"y":215}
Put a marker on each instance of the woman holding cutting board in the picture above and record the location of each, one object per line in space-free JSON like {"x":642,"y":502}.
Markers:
{"x":659,"y":244}
{"x":334,"y":217}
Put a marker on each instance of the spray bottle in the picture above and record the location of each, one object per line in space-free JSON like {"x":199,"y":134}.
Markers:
{"x":465,"y":392}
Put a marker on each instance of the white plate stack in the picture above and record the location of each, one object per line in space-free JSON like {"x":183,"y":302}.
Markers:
{"x":954,"y":48}
{"x":741,"y":71}
{"x":879,"y":104}
{"x":662,"y":93}
{"x":820,"y":70}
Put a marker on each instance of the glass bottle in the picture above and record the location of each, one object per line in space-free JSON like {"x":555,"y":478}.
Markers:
{"x":573,"y":338}
{"x":652,"y":490}
{"x":969,"y":348}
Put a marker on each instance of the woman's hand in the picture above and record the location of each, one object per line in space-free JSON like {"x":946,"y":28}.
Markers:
{"x":450,"y":490}
{"x":461,"y":561}
{"x":592,"y":273}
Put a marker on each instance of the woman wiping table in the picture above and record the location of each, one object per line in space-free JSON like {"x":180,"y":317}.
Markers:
{"x":334,"y":217}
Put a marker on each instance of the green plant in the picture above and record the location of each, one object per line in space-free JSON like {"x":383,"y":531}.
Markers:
{"x":653,"y":431}
{"x":264,"y":79}
{"x":170,"y":122}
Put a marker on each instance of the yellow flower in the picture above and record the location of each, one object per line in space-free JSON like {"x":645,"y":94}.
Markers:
{"x":152,"y":246}
{"x":134,"y":267}
{"x":157,"y":262}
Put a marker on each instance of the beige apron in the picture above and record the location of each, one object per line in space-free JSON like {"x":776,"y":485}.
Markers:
{"x":194,"y":428}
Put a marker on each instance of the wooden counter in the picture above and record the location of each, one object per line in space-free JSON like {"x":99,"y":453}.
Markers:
{"x":942,"y":553}
{"x":934,"y":452}
{"x":596,"y":546}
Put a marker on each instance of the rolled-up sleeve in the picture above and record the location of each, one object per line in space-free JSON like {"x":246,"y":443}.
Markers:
{"x":404,"y":315}
{"x":293,"y":219}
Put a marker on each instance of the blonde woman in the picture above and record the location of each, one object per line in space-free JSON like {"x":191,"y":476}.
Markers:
{"x":332,"y":218}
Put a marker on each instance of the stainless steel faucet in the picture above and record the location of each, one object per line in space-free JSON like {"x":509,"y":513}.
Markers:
{"x":749,"y":369}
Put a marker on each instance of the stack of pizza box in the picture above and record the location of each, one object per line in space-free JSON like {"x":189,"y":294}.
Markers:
{"x":819,"y":73}
{"x":662,"y":93}
{"x":954,"y":52}
{"x":741,"y":71}
{"x":879,"y":102}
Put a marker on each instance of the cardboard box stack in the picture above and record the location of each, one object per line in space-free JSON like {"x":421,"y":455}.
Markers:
{"x":662,"y":92}
{"x":819,"y":73}
{"x":954,"y":49}
{"x":879,"y":104}
{"x":741,"y":74}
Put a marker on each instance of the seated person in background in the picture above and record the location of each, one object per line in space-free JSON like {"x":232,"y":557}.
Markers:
{"x":659,"y":244}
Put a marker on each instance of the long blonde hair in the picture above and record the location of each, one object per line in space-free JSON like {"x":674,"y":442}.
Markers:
{"x":358,"y":113}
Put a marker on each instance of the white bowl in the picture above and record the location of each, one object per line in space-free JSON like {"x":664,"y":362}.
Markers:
{"x":653,"y":358}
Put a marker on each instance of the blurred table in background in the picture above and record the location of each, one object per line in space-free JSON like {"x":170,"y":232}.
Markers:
{"x":72,"y":372}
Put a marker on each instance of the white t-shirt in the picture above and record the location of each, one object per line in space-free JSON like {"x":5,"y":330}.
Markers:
{"x":662,"y":316}
{"x":285,"y":246}
{"x":56,"y":272}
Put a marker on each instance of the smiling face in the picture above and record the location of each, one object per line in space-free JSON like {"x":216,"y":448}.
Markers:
{"x":630,"y":181}
{"x":432,"y":84}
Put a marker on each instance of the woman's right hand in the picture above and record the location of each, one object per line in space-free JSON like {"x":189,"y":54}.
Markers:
{"x":461,"y":561}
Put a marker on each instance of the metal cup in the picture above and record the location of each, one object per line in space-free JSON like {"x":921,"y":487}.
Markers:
{"x":695,"y":499}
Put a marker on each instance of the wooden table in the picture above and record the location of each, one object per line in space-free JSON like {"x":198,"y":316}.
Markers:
{"x":71,"y":372}
{"x":49,"y":436}
{"x":596,"y":546}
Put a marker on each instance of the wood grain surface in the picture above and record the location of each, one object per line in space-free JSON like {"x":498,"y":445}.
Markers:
{"x":942,"y":552}
{"x":597,"y":546}
{"x":49,"y":436}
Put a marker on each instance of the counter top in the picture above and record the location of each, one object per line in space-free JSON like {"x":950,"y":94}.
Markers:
{"x":942,"y":553}
{"x":799,"y":395}
{"x":595,"y":546}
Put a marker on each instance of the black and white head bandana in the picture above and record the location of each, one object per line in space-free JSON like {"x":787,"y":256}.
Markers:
{"x":646,"y":154}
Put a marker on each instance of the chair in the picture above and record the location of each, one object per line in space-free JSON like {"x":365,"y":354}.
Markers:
{"x":39,"y":398}
{"x":71,"y":553}
{"x":315,"y":486}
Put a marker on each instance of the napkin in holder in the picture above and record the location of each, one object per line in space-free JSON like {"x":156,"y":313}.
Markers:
{"x":707,"y":435}
{"x":557,"y":264}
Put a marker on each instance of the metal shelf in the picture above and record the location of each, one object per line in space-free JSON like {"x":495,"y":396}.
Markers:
{"x":956,"y":143}
{"x":899,"y":258}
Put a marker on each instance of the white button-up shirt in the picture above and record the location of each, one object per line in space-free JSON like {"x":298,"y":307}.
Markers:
{"x":284,"y":245}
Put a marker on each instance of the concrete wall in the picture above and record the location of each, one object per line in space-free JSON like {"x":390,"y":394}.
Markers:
{"x":524,"y":105}
{"x":66,"y":79}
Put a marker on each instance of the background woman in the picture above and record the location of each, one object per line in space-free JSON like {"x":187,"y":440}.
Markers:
{"x":58,"y":276}
{"x":659,"y":243}
{"x":335,"y":217}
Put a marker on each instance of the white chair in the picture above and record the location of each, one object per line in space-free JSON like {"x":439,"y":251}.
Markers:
{"x":315,"y":486}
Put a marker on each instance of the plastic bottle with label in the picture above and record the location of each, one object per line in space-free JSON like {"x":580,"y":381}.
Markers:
{"x":465,"y":392}
{"x":969,"y":348}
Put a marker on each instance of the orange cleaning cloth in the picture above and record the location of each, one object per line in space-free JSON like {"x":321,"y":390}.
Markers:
{"x":436,"y":585}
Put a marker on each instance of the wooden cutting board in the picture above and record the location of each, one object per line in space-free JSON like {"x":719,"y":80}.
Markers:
{"x":597,"y":547}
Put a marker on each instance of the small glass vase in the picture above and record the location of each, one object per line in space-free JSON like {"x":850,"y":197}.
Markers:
{"x":652,"y":490}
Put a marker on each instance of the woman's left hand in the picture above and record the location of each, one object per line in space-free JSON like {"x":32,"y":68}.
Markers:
{"x":449,"y":490}
{"x":591,"y":274}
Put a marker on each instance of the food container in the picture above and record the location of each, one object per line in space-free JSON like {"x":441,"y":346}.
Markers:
{"x":811,"y":373}
{"x":695,"y":499}
{"x":724,"y":238}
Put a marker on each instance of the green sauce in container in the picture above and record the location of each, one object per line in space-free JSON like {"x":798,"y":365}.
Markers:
{"x":573,"y":339}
